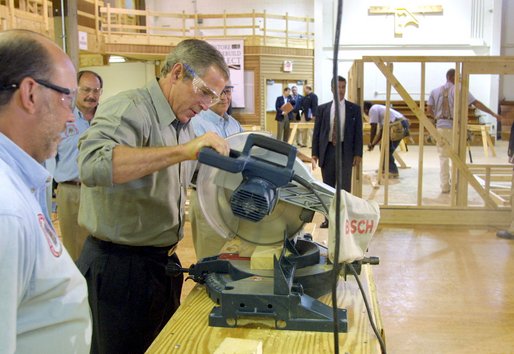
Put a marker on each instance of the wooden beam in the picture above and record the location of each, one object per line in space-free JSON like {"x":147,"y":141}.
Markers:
{"x":490,"y":67}
{"x":480,"y":60}
{"x":431,"y":128}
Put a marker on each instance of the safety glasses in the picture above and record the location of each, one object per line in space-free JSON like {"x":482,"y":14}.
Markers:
{"x":207,"y":95}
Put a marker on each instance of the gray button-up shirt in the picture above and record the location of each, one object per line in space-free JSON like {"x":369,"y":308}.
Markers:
{"x":148,"y":211}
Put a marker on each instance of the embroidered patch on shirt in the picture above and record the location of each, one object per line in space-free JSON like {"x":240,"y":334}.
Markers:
{"x":71,"y":129}
{"x":50,"y":235}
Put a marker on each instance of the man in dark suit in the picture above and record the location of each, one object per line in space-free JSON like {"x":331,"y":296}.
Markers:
{"x":309,"y":108}
{"x":283,"y":118}
{"x":323,"y":141}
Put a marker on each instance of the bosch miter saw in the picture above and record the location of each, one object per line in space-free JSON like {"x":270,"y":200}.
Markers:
{"x":264,"y":195}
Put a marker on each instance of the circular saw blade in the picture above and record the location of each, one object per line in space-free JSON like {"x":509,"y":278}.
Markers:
{"x":215,"y":187}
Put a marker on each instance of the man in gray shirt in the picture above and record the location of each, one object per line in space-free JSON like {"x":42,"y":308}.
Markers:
{"x":135,"y":165}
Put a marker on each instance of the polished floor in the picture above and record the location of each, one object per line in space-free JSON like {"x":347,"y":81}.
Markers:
{"x":440,"y":290}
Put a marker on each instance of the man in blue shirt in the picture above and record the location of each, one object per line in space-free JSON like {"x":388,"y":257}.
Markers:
{"x":216,"y":119}
{"x":90,"y":86}
{"x":205,"y":240}
{"x":44,"y":307}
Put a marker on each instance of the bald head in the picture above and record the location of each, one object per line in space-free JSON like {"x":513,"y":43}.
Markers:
{"x":37,"y":91}
{"x":24,"y":53}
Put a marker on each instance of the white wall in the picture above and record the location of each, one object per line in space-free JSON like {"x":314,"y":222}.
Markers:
{"x":119,"y":77}
{"x":465,"y":28}
{"x":507,"y":87}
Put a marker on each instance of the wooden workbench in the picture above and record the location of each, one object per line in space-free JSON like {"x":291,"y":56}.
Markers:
{"x":188,"y":330}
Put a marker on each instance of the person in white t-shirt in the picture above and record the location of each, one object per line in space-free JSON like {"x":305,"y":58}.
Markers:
{"x":440,"y":107}
{"x":44,"y":303}
{"x":376,"y":114}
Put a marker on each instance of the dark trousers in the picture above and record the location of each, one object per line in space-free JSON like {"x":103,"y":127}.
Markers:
{"x":130,"y":295}
{"x":328,"y":170}
{"x":392,"y":164}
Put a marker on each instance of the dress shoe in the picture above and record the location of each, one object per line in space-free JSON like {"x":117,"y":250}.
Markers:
{"x":505,"y":234}
{"x":324,"y":225}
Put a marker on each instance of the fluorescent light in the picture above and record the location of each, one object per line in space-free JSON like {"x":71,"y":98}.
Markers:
{"x":117,"y":59}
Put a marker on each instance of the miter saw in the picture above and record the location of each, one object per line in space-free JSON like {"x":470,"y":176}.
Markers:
{"x":264,"y":195}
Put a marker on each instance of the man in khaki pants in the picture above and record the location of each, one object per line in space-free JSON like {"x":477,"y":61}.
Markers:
{"x":66,"y":173}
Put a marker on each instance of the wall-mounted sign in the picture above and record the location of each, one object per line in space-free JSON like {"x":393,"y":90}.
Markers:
{"x":233,"y":52}
{"x":288,"y":66}
{"x":404,"y":16}
{"x":83,"y":40}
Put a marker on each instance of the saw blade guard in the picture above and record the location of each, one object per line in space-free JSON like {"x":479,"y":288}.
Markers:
{"x":215,"y":188}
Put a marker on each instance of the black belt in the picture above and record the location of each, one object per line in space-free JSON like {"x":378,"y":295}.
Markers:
{"x":150,"y":250}
{"x":73,"y":183}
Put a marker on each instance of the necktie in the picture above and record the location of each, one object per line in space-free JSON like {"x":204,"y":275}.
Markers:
{"x":334,"y":131}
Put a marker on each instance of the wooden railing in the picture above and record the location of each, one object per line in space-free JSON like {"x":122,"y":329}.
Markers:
{"x":35,"y":15}
{"x":496,"y":180}
{"x":145,"y":26}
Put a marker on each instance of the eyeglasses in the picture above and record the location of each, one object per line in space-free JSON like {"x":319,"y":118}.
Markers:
{"x":208,"y":96}
{"x":68,"y":95}
{"x":87,"y":90}
{"x":227,"y":91}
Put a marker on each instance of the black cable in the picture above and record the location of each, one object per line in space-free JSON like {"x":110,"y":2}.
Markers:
{"x":337,"y":126}
{"x":368,"y":310}
{"x":307,"y":185}
{"x":339,"y":180}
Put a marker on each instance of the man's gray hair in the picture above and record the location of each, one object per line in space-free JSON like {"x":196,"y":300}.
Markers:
{"x":199,"y":55}
{"x":23,"y":55}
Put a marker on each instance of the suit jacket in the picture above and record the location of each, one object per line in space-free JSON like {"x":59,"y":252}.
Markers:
{"x":297,"y":105}
{"x":279,"y":103}
{"x":352,"y":141}
{"x":309,"y":102}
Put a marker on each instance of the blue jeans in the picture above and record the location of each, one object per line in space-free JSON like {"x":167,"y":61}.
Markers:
{"x":392,"y":147}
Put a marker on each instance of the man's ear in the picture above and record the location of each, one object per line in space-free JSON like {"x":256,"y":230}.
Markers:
{"x":177,"y":72}
{"x":28,"y":94}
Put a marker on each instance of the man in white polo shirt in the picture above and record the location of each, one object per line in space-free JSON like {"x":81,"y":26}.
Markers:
{"x":44,"y":305}
{"x":376,"y":114}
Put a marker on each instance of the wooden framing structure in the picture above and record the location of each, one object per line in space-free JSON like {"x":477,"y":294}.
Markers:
{"x":35,"y":15}
{"x":493,"y":210}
